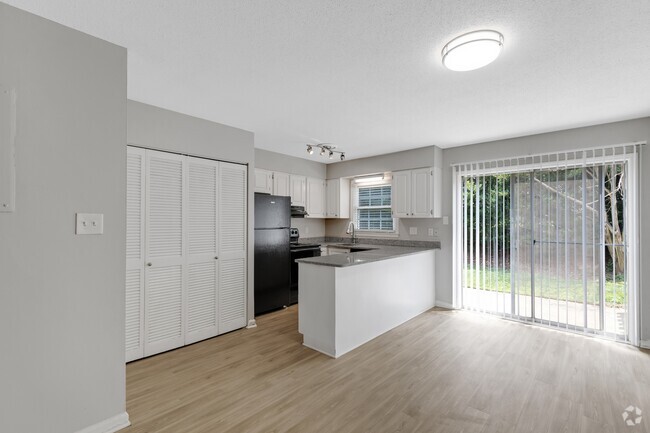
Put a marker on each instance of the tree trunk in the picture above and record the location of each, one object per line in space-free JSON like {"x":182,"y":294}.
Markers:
{"x":613,"y":233}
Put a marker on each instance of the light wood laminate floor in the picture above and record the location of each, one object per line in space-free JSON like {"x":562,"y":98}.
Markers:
{"x":444,"y":371}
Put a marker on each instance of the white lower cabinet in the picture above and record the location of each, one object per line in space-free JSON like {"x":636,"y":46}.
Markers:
{"x":186,"y":250}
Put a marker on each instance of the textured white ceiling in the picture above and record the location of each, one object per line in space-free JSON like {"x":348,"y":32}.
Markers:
{"x":366,"y":74}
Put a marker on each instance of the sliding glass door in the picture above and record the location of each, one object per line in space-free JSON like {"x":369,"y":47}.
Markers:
{"x":548,"y":244}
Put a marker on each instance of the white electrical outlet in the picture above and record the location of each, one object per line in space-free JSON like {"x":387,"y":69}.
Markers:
{"x":430,"y":232}
{"x":445,"y":220}
{"x":413,"y":230}
{"x":90,"y":224}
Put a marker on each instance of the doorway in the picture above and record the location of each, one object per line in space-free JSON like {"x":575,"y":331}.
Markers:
{"x":551,"y":241}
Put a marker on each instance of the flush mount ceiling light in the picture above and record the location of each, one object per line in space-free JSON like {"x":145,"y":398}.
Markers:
{"x":326,"y":149}
{"x":472,"y":50}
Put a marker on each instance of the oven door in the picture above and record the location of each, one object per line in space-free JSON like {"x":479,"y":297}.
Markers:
{"x":299,"y":253}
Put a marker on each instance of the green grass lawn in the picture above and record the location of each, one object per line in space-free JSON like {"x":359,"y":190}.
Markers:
{"x":498,"y":280}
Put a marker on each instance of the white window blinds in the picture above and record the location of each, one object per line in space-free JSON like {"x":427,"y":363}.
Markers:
{"x":373,"y":208}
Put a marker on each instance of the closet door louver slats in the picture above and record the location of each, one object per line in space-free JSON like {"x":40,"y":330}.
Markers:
{"x":164,"y":273}
{"x":232,"y":247}
{"x":202,"y":287}
{"x":135,"y":211}
{"x":186,"y":244}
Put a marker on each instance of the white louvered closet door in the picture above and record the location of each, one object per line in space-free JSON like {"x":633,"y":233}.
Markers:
{"x":232,"y":246}
{"x":202,"y":251}
{"x":165,"y":259}
{"x":135,"y":217}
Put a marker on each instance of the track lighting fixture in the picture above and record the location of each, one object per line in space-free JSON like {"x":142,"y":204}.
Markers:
{"x":325,"y":149}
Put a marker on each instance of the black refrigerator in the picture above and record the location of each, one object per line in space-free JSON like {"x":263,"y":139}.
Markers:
{"x":272,"y":252}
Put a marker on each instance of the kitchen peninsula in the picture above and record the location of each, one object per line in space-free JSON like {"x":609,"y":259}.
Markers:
{"x":346,"y":300}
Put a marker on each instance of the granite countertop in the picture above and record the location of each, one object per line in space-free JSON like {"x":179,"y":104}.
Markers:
{"x":374,"y":253}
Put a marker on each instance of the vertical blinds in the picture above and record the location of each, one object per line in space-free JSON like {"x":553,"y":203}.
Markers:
{"x":551,"y":239}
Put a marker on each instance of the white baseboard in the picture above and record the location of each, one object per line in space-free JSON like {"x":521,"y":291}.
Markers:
{"x":111,"y":425}
{"x":442,"y":304}
{"x":251,"y":324}
{"x":644,"y":344}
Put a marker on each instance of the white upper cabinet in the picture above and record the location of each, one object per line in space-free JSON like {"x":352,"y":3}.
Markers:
{"x":315,"y":198}
{"x":416,"y":193}
{"x":298,"y":190}
{"x":338,"y":198}
{"x":421,"y":193}
{"x":401,"y":194}
{"x":281,"y":184}
{"x":263,"y":181}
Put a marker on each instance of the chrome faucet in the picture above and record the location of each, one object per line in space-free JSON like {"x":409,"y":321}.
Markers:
{"x":351,"y":231}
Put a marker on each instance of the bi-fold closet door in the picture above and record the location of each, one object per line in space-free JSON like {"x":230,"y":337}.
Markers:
{"x":186,"y":250}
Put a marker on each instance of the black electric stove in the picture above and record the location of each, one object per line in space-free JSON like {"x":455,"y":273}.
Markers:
{"x":299,"y":250}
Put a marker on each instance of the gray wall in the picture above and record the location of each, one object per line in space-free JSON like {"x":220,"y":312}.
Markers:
{"x":423,"y":157}
{"x":157,"y":128}
{"x":309,"y":227}
{"x":600,"y":135}
{"x":62,"y":295}
{"x":289,"y":164}
{"x":406,"y":160}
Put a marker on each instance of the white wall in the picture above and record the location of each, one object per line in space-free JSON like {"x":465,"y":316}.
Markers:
{"x":62,"y":295}
{"x":417,"y":158}
{"x":309,"y":227}
{"x":157,"y":128}
{"x":600,"y":135}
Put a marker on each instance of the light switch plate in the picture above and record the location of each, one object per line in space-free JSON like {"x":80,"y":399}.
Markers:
{"x":413,"y":230}
{"x":90,"y":224}
{"x":445,"y":220}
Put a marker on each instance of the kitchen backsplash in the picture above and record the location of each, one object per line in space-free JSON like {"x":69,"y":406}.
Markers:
{"x":309,"y":227}
{"x":337,"y":228}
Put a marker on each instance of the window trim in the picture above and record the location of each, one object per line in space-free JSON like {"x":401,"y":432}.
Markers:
{"x":354,"y":201}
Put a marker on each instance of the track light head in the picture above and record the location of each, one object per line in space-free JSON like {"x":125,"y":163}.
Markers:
{"x":326,"y":149}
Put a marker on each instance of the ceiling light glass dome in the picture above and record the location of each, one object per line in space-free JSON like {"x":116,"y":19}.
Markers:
{"x":472,"y":50}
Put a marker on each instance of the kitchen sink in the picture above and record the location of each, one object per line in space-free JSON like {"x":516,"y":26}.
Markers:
{"x":348,"y":245}
{"x":354,"y":248}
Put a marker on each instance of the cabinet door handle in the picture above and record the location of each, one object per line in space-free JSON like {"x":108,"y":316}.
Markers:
{"x":216,"y":257}
{"x":149,"y":264}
